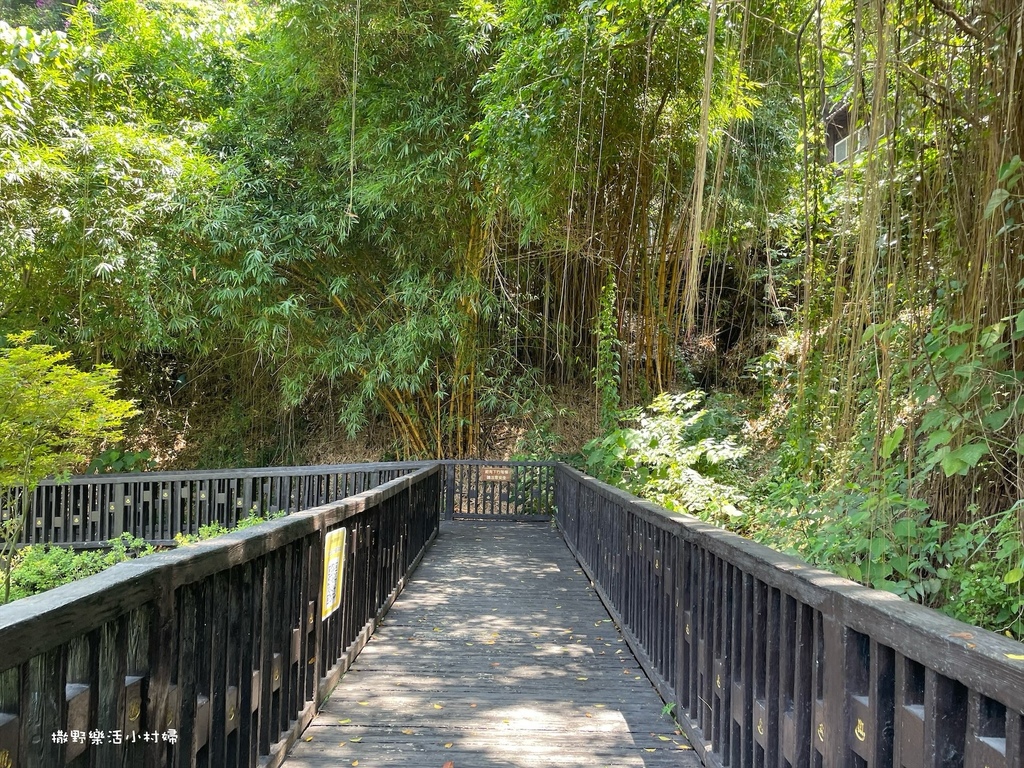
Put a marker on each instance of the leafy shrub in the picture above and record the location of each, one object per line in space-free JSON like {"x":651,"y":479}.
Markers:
{"x":682,"y":454}
{"x":40,"y":567}
{"x":880,"y":537}
{"x":985,"y":585}
{"x":121,"y":460}
{"x":216,"y":529}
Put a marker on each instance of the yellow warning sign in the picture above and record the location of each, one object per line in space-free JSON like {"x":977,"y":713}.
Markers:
{"x":334,"y":571}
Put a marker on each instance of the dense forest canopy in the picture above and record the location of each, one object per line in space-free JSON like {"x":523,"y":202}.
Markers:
{"x":427,"y":220}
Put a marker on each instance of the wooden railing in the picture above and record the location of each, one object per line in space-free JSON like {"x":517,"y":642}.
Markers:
{"x":216,"y":654}
{"x":507,"y":490}
{"x":89,"y":510}
{"x":772,"y":663}
{"x":157,"y":506}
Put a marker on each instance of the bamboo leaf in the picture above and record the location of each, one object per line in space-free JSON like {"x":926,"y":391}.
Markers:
{"x":999,"y":196}
{"x":1008,"y":168}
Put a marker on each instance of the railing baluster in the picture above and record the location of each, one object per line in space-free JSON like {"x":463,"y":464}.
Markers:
{"x":776,"y":664}
{"x":222,"y":651}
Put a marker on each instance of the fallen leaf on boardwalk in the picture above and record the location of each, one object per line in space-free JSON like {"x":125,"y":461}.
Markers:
{"x":963,"y":635}
{"x":309,"y":738}
{"x":355,"y":762}
{"x":346,"y":720}
{"x":342,"y":743}
{"x":356,"y":739}
{"x":650,"y":749}
{"x":588,"y":714}
{"x":581,"y":678}
{"x":364,"y":703}
{"x":599,"y":706}
{"x":448,"y":764}
{"x":448,"y":745}
{"x":473,"y":705}
{"x":684,"y":746}
{"x":665,"y":738}
{"x":468,"y":643}
{"x":407,"y":731}
{"x":1015,"y":656}
{"x":438,"y":706}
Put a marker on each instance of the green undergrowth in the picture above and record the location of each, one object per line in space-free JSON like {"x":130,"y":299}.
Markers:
{"x":217,"y":529}
{"x":39,"y":567}
{"x":699,"y":454}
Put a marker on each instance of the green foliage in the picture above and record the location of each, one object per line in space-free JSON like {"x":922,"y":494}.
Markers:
{"x":688,"y":453}
{"x":40,"y":567}
{"x":96,"y":247}
{"x":121,"y":460}
{"x":607,"y":372}
{"x":37,"y":14}
{"x":212,"y":530}
{"x":973,"y":572}
{"x":682,"y":454}
{"x":419,"y":215}
{"x":51,"y":416}
{"x":52,"y":413}
{"x":350,"y":250}
{"x":985,"y":573}
{"x":882,"y":535}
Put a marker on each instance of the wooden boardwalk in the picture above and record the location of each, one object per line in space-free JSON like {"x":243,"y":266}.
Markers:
{"x":497,"y":655}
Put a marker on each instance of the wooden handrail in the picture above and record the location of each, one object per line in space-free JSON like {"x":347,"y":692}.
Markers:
{"x":772,"y":662}
{"x":768,"y":661}
{"x":89,"y":510}
{"x":221,"y":648}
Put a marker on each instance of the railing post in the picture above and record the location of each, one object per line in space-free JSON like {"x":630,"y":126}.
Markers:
{"x":118,"y":511}
{"x":449,"y":490}
{"x":836,"y":669}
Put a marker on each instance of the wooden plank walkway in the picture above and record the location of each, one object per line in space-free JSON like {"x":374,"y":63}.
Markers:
{"x":498,"y":654}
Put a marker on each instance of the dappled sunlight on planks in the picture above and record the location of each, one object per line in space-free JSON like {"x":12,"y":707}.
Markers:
{"x":500,"y":655}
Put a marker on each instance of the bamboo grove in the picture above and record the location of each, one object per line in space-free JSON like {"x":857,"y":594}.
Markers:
{"x":422,"y":216}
